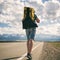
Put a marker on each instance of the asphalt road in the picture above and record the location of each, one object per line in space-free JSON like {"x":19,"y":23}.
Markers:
{"x":16,"y":50}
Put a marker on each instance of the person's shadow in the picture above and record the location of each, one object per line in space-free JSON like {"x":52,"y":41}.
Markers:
{"x":29,"y":59}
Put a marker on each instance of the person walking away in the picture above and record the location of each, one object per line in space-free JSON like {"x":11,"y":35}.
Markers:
{"x":29,"y":24}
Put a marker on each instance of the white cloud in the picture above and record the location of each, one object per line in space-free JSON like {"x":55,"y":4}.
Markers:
{"x":48,"y":13}
{"x":11,"y":31}
{"x":50,"y":29}
{"x":52,"y":9}
{"x":58,"y":0}
{"x":1,"y":1}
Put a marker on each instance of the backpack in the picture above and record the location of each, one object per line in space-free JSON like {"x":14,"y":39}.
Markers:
{"x":29,"y":18}
{"x":29,"y":12}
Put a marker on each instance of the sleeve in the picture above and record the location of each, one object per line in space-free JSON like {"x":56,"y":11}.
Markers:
{"x":35,"y":17}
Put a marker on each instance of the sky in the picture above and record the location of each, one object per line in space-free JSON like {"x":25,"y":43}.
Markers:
{"x":11,"y":14}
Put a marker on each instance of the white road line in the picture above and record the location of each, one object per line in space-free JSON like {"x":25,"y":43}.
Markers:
{"x":32,"y":50}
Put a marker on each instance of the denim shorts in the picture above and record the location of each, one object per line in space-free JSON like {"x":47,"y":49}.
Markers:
{"x":30,"y":33}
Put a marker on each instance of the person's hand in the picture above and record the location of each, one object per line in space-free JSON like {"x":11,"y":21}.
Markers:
{"x":37,"y":20}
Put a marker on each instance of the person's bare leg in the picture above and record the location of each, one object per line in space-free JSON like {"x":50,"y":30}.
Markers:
{"x":29,"y":46}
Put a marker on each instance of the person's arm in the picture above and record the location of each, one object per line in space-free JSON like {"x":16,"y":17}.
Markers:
{"x":37,"y":19}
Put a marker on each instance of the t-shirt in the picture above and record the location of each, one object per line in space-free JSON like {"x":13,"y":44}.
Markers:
{"x":29,"y":23}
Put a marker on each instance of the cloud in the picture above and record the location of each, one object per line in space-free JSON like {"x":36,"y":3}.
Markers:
{"x":1,"y":7}
{"x":58,"y":0}
{"x":52,"y":29}
{"x":1,"y":1}
{"x":58,"y":30}
{"x":10,"y":17}
{"x":51,"y":9}
{"x":47,"y":10}
{"x":12,"y":14}
{"x":12,"y":30}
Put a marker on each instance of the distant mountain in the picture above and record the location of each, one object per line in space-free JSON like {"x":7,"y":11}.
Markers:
{"x":20,"y":37}
{"x":12,"y":37}
{"x":47,"y":37}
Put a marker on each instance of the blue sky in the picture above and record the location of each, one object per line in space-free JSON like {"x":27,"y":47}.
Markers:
{"x":48,"y":11}
{"x":44,"y":1}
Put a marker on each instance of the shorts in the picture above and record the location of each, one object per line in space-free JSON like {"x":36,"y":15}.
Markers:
{"x":30,"y":33}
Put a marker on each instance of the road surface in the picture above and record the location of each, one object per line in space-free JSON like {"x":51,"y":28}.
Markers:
{"x":17,"y":50}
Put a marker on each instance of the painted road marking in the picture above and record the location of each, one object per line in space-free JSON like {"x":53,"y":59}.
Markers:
{"x":32,"y":50}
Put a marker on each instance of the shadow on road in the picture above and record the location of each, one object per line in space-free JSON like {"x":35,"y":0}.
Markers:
{"x":29,"y":59}
{"x":11,"y":58}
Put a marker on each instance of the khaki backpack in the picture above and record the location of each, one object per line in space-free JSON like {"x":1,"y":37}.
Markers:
{"x":29,"y":12}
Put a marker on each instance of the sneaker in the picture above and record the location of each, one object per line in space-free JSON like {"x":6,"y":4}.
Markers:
{"x":29,"y":56}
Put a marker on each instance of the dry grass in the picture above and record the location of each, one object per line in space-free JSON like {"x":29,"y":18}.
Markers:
{"x":55,"y":44}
